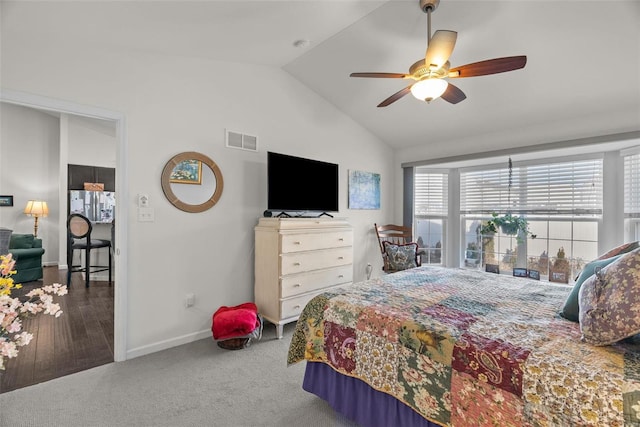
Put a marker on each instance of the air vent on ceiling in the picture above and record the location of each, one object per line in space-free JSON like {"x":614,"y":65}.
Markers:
{"x":242,"y":141}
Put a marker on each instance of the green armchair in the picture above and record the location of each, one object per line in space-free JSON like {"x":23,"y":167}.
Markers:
{"x":27,"y":251}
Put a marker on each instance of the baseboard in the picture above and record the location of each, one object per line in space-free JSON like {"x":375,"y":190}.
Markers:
{"x":172,"y":342}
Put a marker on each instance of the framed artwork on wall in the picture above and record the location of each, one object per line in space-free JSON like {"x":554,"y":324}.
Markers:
{"x":364,"y":190}
{"x":6,"y":200}
{"x":187,"y":172}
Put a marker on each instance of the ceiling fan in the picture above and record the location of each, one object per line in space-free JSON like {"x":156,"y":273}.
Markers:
{"x":430,"y":74}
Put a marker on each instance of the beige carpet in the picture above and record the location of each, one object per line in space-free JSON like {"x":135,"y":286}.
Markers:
{"x":197,"y":384}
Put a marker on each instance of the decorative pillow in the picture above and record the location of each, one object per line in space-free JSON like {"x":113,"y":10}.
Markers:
{"x":622,"y":249}
{"x":610,"y":302}
{"x":401,"y":257}
{"x":21,"y":241}
{"x":570,"y":310}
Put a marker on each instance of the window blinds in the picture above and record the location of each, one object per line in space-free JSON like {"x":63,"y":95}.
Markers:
{"x":430,"y":193}
{"x":632,"y":186}
{"x":563,"y":188}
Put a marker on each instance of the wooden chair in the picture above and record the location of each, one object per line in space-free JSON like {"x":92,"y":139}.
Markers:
{"x":397,"y":235}
{"x":79,"y":230}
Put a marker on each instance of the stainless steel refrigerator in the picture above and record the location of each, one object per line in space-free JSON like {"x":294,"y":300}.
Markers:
{"x":98,"y":206}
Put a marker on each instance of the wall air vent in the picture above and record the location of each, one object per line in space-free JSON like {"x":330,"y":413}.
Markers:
{"x":241,"y":141}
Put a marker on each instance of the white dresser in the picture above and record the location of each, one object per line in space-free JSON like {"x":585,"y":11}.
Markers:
{"x":296,"y":259}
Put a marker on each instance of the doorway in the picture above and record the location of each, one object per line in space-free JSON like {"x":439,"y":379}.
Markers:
{"x":62,"y":108}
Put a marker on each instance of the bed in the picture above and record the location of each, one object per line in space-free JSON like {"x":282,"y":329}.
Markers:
{"x":435,"y":346}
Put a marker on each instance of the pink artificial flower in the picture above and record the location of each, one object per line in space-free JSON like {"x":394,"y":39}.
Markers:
{"x":12,"y":310}
{"x":8,"y":349}
{"x":15,"y":326}
{"x":23,"y":339}
{"x":7,"y":269}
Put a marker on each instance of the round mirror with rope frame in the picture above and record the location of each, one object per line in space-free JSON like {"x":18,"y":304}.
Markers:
{"x":168,"y":175}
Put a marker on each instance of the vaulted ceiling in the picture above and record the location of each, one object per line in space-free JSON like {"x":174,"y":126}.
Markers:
{"x":582,"y":76}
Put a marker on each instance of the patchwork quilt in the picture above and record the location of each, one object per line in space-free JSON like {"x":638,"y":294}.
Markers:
{"x":464,"y":347}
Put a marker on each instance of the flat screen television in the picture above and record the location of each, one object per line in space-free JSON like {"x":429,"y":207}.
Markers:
{"x":296,"y":184}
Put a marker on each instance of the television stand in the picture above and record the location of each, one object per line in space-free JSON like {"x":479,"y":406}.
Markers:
{"x":286,"y":215}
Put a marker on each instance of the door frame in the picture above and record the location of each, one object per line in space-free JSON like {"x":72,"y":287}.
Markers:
{"x":122,"y":210}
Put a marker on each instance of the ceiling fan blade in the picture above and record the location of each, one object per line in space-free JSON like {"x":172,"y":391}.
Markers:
{"x":393,"y":98}
{"x":490,"y":66}
{"x":440,"y":48}
{"x":453,"y":95}
{"x":382,"y":75}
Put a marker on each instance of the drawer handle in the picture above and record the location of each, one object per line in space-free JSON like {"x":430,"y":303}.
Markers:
{"x":340,"y":257}
{"x":296,"y":307}
{"x":296,"y":263}
{"x":296,"y":243}
{"x":297,"y":285}
{"x":340,"y":276}
{"x":341,"y":239}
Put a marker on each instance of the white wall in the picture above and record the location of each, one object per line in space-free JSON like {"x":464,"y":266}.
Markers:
{"x":175,"y":104}
{"x":91,"y":142}
{"x":29,"y":171}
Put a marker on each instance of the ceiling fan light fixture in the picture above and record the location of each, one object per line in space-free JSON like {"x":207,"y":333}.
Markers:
{"x":429,"y":89}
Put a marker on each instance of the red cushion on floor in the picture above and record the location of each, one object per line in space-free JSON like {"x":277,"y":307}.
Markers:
{"x":233,"y":322}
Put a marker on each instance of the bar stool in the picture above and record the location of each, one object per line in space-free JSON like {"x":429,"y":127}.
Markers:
{"x":79,"y":230}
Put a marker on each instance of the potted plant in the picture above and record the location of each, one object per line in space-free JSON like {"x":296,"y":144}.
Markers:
{"x":508,"y":224}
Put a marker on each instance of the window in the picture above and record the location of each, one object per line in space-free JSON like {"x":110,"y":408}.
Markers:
{"x":632,"y":194}
{"x":430,"y":213}
{"x":562,"y":202}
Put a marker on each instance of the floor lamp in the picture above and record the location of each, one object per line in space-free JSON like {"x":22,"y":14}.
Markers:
{"x":36,"y":209}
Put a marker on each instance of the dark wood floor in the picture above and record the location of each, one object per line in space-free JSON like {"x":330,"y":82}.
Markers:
{"x":81,"y":338}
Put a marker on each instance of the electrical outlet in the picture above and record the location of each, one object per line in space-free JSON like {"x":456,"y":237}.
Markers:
{"x":189,"y":300}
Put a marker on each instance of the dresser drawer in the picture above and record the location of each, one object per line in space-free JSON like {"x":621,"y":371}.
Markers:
{"x":299,"y":262}
{"x":308,"y":282}
{"x":312,"y":241}
{"x":293,"y":306}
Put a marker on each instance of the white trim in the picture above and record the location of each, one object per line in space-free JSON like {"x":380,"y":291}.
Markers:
{"x":173,"y":342}
{"x":535,"y":162}
{"x":630,"y":151}
{"x":122,"y":209}
{"x":610,"y":142}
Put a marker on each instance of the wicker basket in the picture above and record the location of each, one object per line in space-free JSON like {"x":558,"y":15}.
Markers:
{"x":235,"y":343}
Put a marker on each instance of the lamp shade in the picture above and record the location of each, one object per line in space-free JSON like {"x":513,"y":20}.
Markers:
{"x":36,"y":208}
{"x":429,"y":89}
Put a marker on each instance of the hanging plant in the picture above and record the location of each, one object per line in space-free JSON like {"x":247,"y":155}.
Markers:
{"x":507,"y":224}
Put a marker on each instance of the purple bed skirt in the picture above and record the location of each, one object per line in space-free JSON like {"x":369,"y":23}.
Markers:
{"x":354,"y":399}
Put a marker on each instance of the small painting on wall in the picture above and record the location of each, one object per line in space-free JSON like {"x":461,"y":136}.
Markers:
{"x":187,"y":172}
{"x":364,"y":190}
{"x":6,"y":200}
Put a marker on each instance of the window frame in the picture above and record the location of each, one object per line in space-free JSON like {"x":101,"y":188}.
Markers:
{"x":437,"y":215}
